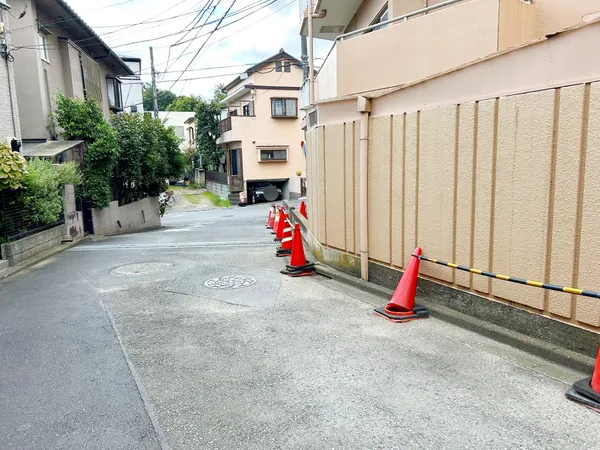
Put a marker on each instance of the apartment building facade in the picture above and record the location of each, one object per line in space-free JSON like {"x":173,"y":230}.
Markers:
{"x":260,"y":128}
{"x":470,"y":130}
{"x":56,"y":51}
{"x":10,"y":129}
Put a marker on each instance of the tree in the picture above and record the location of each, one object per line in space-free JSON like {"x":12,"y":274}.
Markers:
{"x":219,"y":93}
{"x":83,"y":120}
{"x":207,"y":133}
{"x":165,"y":98}
{"x":185,"y":103}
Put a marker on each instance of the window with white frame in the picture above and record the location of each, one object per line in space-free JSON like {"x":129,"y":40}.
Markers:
{"x":278,"y":66}
{"x":284,"y":107}
{"x":43,"y":47}
{"x":381,"y":17}
{"x":115,"y":95}
{"x":273,"y":154}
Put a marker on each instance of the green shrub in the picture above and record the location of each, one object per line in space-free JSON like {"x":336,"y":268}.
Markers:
{"x":216,"y":200}
{"x":12,"y":169}
{"x":42,"y":201}
{"x":69,"y":173}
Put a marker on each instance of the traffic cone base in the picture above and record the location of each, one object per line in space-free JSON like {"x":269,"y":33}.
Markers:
{"x":401,"y":316}
{"x":575,"y":396}
{"x":293,"y":274}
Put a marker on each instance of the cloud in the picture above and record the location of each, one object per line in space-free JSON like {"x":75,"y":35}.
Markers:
{"x":277,"y":26}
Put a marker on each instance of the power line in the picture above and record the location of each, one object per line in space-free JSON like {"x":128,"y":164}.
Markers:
{"x":205,"y":42}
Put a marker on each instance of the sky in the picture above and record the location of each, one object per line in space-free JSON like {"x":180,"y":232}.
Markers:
{"x":274,"y":25}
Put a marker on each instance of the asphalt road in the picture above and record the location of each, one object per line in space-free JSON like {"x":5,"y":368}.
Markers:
{"x":134,"y":342}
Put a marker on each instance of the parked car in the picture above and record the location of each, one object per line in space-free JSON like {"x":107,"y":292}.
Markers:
{"x":257,"y":192}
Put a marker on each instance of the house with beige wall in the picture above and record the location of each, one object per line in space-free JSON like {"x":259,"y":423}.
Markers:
{"x":260,"y":129}
{"x":56,"y":51}
{"x":470,"y":130}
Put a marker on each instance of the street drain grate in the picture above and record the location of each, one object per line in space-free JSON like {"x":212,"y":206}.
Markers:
{"x":141,"y":269}
{"x":166,"y":246}
{"x":230,"y":282}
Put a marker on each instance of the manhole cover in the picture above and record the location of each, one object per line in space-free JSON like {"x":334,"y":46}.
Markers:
{"x":141,"y":269}
{"x":230,"y":282}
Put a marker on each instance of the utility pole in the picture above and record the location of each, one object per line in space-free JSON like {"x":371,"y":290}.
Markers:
{"x":154,"y":90}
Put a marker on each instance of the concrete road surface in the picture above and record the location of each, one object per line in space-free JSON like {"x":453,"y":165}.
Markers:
{"x":188,"y":337}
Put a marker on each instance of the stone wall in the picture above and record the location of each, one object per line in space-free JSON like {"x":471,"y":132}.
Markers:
{"x":141,"y":215}
{"x":222,"y":190}
{"x":18,"y":251}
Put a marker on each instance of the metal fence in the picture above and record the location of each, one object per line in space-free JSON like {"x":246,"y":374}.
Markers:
{"x":14,"y":222}
{"x":217,"y":177}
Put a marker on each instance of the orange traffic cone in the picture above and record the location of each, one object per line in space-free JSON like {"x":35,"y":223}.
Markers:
{"x":303,"y":210}
{"x":298,"y":266}
{"x":587,"y":391}
{"x":278,"y":212}
{"x":286,"y":241}
{"x":280,"y":226}
{"x":270,"y":215}
{"x":272,"y":218}
{"x":401,"y":307}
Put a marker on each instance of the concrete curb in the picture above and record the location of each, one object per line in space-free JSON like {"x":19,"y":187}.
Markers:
{"x":41,"y":257}
{"x":517,"y":340}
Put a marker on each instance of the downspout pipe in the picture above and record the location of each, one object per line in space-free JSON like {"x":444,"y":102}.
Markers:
{"x":364,"y":108}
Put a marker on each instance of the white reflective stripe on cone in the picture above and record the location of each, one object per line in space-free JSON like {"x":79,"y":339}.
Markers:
{"x":286,"y":240}
{"x":285,"y":230}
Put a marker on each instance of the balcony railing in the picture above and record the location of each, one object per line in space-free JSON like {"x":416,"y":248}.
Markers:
{"x":370,"y":59}
{"x":225,"y":125}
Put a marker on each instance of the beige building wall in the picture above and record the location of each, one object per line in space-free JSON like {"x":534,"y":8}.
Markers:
{"x":428,"y":45}
{"x":507,"y":183}
{"x":250,"y":133}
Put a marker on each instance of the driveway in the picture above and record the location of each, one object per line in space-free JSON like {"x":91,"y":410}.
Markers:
{"x":188,"y":337}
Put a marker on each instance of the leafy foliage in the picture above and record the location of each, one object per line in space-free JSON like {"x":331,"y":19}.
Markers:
{"x":149,"y":155}
{"x":12,"y":169}
{"x":83,"y":120}
{"x":165,"y":98}
{"x":68,"y":173}
{"x":41,"y":198}
{"x":207,"y":129}
{"x":185,"y":103}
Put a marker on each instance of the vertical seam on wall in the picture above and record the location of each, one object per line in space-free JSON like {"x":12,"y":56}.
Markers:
{"x":493,"y":192}
{"x":580,"y":192}
{"x":551,"y":193}
{"x":356,"y":251}
{"x":391,"y":215}
{"x":324,"y":188}
{"x":344,"y":185}
{"x":455,"y":193}
{"x":473,"y":189}
{"x":403,"y":185}
{"x":417,"y":178}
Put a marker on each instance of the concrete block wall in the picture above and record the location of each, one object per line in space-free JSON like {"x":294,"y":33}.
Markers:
{"x":222,"y":190}
{"x":73,"y":218}
{"x":18,"y":251}
{"x":141,"y":215}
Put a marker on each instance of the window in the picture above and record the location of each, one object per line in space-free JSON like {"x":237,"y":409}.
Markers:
{"x":44,"y":47}
{"x":115,"y":96}
{"x":277,"y":66}
{"x":191,"y":135}
{"x":381,"y":17}
{"x":284,"y":107}
{"x":287,"y":67}
{"x":248,"y":109}
{"x":312,"y":118}
{"x":235,"y":162}
{"x":273,"y":155}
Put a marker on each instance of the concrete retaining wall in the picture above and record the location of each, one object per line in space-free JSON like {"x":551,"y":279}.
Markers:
{"x":222,"y":190}
{"x":25,"y":248}
{"x":141,"y":215}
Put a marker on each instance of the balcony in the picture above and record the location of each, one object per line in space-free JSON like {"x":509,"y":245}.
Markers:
{"x":233,"y":128}
{"x":421,"y":46}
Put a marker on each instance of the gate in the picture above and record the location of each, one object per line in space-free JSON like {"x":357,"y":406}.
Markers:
{"x":86,"y":210}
